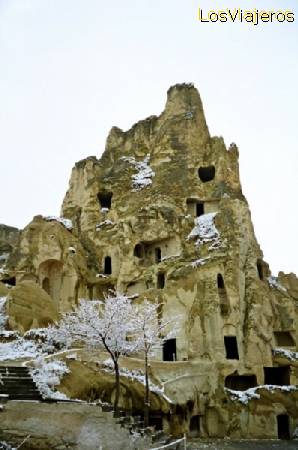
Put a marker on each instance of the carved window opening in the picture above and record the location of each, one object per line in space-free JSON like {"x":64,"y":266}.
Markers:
{"x":194,"y":426}
{"x":157,"y":253}
{"x":240,"y":382}
{"x":107,"y":268}
{"x":222,"y":293}
{"x":206,"y":173}
{"x":161,"y":281}
{"x":139,"y":251}
{"x":199,"y":209}
{"x":231,"y":347}
{"x":260,"y":269}
{"x":283,"y":426}
{"x":105,"y":199}
{"x":279,"y":376}
{"x":194,"y":207}
{"x":284,"y":339}
{"x":169,"y":350}
{"x":10,"y":281}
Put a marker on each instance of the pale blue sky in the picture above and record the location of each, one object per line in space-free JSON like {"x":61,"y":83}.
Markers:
{"x":71,"y":69}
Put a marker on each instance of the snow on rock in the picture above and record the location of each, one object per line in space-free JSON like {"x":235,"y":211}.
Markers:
{"x":205,"y":231}
{"x":137,"y":375}
{"x":245,"y":396}
{"x":200,"y":262}
{"x":274,"y":283}
{"x":104,"y":223}
{"x":47,"y":375}
{"x":144,"y":175}
{"x":3,"y":315}
{"x":164,"y":258}
{"x":67,"y":223}
{"x":292,"y":356}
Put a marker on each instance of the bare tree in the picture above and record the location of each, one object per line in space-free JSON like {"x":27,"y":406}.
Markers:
{"x":106,"y":325}
{"x":151,"y":331}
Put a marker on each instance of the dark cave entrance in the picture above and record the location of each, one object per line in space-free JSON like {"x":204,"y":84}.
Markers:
{"x":199,"y":209}
{"x":283,"y":426}
{"x":231,"y":347}
{"x":279,"y":376}
{"x":157,"y":255}
{"x":240,"y":382}
{"x":10,"y":281}
{"x":107,"y":265}
{"x":169,"y":350}
{"x":160,"y":280}
{"x":105,"y":199}
{"x":194,"y":426}
{"x":206,"y":173}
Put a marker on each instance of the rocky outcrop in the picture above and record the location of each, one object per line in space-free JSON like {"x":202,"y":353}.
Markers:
{"x":162,"y":215}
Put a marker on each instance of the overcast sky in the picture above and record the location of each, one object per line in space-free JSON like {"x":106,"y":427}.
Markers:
{"x":71,"y":69}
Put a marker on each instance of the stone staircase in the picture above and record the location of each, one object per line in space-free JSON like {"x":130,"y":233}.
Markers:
{"x":135,"y":424}
{"x":17,"y":383}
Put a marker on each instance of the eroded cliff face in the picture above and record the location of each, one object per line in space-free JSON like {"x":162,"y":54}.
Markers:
{"x":161,"y":215}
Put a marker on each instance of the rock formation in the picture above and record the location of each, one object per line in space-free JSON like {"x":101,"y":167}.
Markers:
{"x":161,"y":215}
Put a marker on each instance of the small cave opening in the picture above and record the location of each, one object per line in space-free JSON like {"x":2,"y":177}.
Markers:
{"x":46,"y":285}
{"x":283,"y":426}
{"x":139,"y":251}
{"x":105,"y":199}
{"x":231,"y":347}
{"x":107,"y":266}
{"x":199,"y":209}
{"x":222,"y":293}
{"x":157,"y":252}
{"x":194,"y":426}
{"x":260,"y":269}
{"x":155,"y":420}
{"x":161,"y":280}
{"x":10,"y":281}
{"x":284,"y":339}
{"x":220,"y":281}
{"x":279,"y":376}
{"x":169,"y":350}
{"x":240,"y":382}
{"x":206,"y":173}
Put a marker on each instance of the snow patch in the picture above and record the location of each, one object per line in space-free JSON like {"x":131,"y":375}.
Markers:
{"x":200,"y":262}
{"x":67,"y":223}
{"x":274,"y":283}
{"x":47,"y":375}
{"x":144,"y":175}
{"x":4,"y":257}
{"x":3,"y":315}
{"x":104,"y":223}
{"x":205,"y":231}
